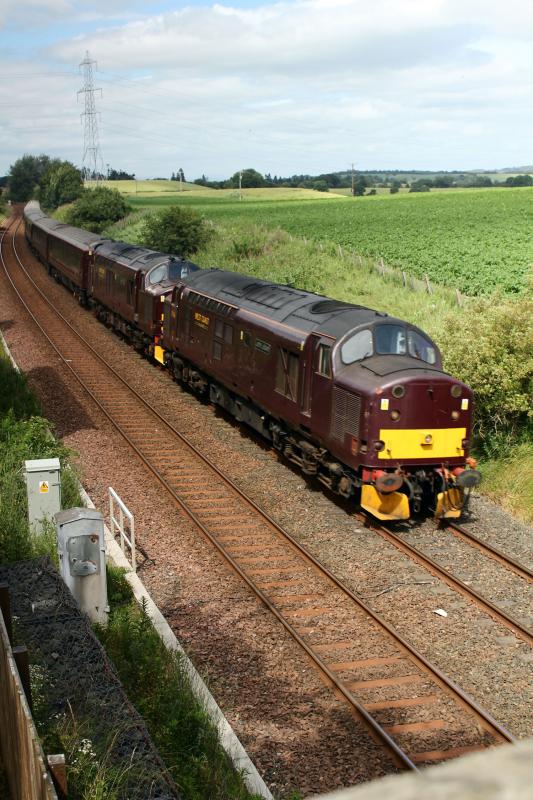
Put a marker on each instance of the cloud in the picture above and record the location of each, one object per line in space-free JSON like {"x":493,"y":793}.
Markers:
{"x":301,"y":86}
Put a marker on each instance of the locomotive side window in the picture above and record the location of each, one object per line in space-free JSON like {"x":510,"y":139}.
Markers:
{"x":262,"y":346}
{"x":357,"y":347}
{"x":228,"y":334}
{"x":420,"y":347}
{"x":391,"y":340}
{"x":287,"y":374}
{"x":323,"y":360}
{"x":158,"y":274}
{"x":223,"y":335}
{"x":109,"y":281}
{"x":246,"y":338}
{"x":129,"y":293}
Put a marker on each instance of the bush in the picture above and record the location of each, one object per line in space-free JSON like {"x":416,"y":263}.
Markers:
{"x":97,"y":208}
{"x":175,"y":230}
{"x":24,"y":435}
{"x":155,"y":681}
{"x":61,"y":183}
{"x":494,"y":356}
{"x":15,"y":395}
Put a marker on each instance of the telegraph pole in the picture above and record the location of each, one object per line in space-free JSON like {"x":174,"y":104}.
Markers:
{"x":92,"y":161}
{"x":353,"y":182}
{"x":240,"y":184}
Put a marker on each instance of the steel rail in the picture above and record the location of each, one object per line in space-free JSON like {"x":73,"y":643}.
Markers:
{"x":455,"y":583}
{"x":514,"y":566}
{"x":486,"y":720}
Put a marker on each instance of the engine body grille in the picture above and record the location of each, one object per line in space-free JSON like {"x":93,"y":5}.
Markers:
{"x":345,"y":414}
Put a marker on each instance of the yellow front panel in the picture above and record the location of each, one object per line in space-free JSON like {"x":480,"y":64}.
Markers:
{"x":445,"y":443}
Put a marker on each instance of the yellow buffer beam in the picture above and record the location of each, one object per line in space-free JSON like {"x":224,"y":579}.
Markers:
{"x":159,"y":354}
{"x":422,"y":443}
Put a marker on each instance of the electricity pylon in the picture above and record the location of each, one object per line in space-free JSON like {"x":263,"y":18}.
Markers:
{"x":92,"y":161}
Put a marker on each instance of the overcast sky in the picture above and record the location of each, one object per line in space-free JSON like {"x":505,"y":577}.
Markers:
{"x":289,"y":87}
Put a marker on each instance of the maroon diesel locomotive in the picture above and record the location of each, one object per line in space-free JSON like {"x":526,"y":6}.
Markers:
{"x":124,"y":284}
{"x":353,"y":396}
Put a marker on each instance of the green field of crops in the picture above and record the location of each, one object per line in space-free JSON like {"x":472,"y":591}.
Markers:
{"x":475,"y":240}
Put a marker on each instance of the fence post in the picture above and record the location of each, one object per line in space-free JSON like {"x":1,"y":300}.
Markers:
{"x":404,"y":278}
{"x":58,"y":771}
{"x":458,"y":297}
{"x":428,"y":285}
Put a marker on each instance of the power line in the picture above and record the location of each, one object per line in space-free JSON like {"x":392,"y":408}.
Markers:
{"x":92,"y":161}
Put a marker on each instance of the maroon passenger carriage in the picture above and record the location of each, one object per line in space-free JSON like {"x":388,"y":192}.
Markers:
{"x":351,"y":395}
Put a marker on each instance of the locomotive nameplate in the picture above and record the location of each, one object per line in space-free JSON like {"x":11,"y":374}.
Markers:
{"x":201,"y":320}
{"x":422,"y":443}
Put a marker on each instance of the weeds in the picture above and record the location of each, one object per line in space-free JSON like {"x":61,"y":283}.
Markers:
{"x":154,"y":680}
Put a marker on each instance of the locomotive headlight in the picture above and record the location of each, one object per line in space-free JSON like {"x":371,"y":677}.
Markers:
{"x":456,"y":390}
{"x":465,"y":443}
{"x":455,"y":415}
{"x":395,"y":415}
{"x":398,"y":391}
{"x":379,"y":446}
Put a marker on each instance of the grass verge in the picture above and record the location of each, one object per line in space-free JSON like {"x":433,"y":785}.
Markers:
{"x":156,"y":683}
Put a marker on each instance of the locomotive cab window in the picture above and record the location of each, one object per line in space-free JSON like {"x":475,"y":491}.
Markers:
{"x":391,"y":340}
{"x":357,"y":347}
{"x":323,"y":360}
{"x":420,"y":347}
{"x":158,"y":274}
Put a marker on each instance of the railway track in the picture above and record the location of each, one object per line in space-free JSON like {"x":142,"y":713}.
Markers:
{"x":489,"y":550}
{"x":436,"y":569}
{"x":409,"y":706}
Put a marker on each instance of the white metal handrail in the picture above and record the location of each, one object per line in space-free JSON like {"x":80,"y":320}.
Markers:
{"x":117,"y":525}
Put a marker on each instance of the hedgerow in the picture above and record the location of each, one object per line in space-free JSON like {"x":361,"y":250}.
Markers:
{"x":493,"y":354}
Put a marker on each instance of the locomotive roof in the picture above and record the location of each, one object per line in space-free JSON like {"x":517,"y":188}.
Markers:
{"x":82,"y":239}
{"x":134,"y":257}
{"x":302,"y":310}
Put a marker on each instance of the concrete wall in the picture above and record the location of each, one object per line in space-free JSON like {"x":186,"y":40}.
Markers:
{"x":500,"y":773}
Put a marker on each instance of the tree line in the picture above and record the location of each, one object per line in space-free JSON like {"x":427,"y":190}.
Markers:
{"x":361,"y":183}
{"x":55,"y":182}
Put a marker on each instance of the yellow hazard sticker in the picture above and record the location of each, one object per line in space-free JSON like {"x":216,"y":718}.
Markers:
{"x":44,"y":487}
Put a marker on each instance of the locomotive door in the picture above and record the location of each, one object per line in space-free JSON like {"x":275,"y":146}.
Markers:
{"x":316,"y":401}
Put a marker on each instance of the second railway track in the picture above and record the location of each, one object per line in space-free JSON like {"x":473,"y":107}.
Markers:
{"x":408,"y":704}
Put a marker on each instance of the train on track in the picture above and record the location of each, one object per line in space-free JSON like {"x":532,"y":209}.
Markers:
{"x":351,"y":395}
